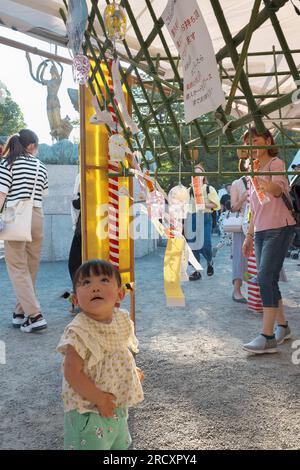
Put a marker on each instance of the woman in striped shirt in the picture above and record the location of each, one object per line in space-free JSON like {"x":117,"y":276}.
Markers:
{"x":18,"y":171}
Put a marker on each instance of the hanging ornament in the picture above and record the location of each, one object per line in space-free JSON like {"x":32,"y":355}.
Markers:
{"x":178,"y":199}
{"x":81,"y":67}
{"x":115,"y":21}
{"x":117,"y":147}
{"x":155,"y":203}
{"x":119,"y":96}
{"x":76,"y":24}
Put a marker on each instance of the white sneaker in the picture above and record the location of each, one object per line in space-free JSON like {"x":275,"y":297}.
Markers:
{"x":34,"y":324}
{"x":261,"y":345}
{"x":18,"y":319}
{"x":282,"y":334}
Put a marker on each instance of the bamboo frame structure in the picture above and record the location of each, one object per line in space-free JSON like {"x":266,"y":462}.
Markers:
{"x":152,"y":96}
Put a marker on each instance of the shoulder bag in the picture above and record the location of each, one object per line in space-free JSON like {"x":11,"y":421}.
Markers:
{"x":16,"y":220}
{"x":233,"y":222}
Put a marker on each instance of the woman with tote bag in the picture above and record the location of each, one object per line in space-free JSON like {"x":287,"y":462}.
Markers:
{"x":24,"y":177}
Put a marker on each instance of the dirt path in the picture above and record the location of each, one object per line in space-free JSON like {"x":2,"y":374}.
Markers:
{"x":202,"y":391}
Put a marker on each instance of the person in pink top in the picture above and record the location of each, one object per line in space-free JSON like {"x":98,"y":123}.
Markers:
{"x":271,"y":228}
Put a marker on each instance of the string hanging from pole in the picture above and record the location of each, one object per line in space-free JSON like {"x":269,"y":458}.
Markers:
{"x":180,"y":154}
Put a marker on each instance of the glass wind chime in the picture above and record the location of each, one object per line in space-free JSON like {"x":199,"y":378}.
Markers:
{"x":76,"y":24}
{"x":115,"y":22}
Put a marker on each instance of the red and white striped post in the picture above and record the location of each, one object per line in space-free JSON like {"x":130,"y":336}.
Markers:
{"x":113,"y":194}
{"x":254,"y":299}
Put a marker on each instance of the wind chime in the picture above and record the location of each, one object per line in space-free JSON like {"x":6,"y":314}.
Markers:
{"x":168,"y":224}
{"x":76,"y":24}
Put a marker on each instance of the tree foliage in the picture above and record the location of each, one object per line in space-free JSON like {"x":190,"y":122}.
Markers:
{"x":11,"y":117}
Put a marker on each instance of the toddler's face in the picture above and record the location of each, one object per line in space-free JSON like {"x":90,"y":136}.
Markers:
{"x":97,"y":296}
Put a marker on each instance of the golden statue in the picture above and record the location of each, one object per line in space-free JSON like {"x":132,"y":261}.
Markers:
{"x":60,"y":128}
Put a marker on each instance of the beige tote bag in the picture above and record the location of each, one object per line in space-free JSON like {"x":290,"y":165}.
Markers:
{"x":17,"y":219}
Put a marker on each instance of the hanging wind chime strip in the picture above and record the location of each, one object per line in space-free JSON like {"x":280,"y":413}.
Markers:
{"x":76,"y":25}
{"x":119,"y":95}
{"x":134,"y":165}
{"x":113,"y":197}
{"x":172,"y":272}
{"x":103,"y":117}
{"x":164,"y":229}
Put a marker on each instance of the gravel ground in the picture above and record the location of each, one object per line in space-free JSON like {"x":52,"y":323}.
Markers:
{"x":201,"y":390}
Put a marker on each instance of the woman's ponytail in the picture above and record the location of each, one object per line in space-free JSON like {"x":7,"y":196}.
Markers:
{"x":17,"y":144}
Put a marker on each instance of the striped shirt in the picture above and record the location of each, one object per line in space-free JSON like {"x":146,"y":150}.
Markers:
{"x":17,"y":180}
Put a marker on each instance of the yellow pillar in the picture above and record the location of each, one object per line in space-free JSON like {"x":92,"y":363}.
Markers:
{"x":94,"y":190}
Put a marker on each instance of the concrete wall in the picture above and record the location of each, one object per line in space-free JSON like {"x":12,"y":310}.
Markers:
{"x":58,"y":232}
{"x":58,"y":226}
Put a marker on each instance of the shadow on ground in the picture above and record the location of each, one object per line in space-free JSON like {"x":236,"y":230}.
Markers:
{"x":201,"y":390}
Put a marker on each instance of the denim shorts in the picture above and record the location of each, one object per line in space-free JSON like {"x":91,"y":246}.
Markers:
{"x":271,"y":247}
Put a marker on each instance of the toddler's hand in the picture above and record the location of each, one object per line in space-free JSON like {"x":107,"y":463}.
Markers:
{"x":106,"y":405}
{"x":140,"y":374}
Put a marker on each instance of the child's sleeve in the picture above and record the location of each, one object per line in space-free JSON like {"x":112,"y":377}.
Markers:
{"x":70,"y":338}
{"x":133,"y":341}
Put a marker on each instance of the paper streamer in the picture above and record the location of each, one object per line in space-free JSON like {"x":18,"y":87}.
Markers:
{"x":76,"y":24}
{"x":162,"y":230}
{"x":121,"y":99}
{"x":103,"y":117}
{"x":172,"y":273}
{"x":133,"y":163}
{"x":197,"y":188}
{"x":262,"y":197}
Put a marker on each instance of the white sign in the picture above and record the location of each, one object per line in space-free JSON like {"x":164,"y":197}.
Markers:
{"x":202,"y":86}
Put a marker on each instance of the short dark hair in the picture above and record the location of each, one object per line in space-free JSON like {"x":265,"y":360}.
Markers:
{"x":266,"y":134}
{"x":96,"y":267}
{"x":227,"y":205}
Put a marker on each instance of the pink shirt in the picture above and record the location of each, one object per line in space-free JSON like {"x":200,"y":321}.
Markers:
{"x":273,"y":214}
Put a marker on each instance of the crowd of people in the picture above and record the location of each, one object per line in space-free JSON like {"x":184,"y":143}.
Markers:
{"x":101,"y":380}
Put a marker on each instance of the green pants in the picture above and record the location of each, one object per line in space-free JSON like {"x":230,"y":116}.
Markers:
{"x":89,"y":431}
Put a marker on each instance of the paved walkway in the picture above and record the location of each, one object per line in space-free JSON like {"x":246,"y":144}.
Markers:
{"x":202,"y":391}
